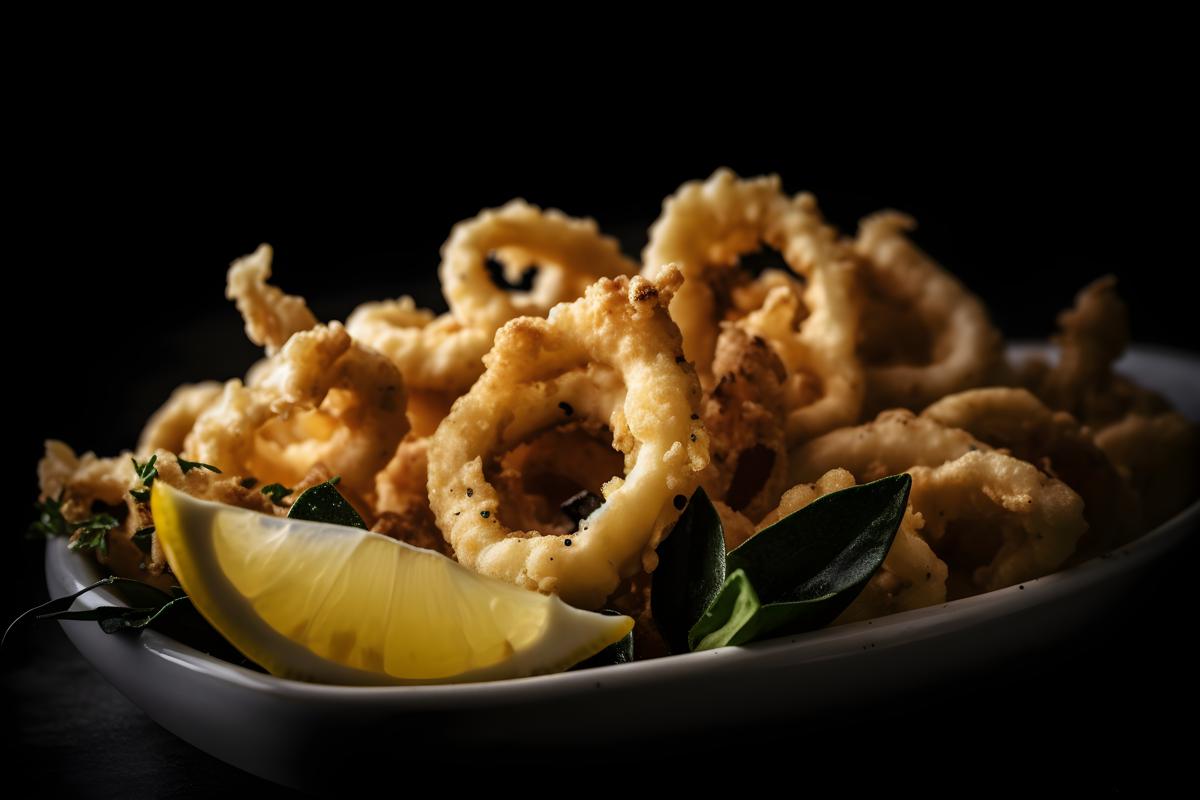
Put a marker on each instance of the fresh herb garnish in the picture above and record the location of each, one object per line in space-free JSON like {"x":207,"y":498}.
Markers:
{"x":149,"y":607}
{"x":187,"y":466}
{"x":796,"y":575}
{"x":324,"y":503}
{"x":147,"y":473}
{"x":50,"y":521}
{"x":93,"y":533}
{"x":276,"y":491}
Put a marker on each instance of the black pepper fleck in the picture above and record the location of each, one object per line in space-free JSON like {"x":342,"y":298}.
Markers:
{"x":680,"y":501}
{"x":695,"y":416}
{"x":566,"y":407}
{"x":485,"y":514}
{"x":693,"y":437}
{"x":567,"y":542}
{"x":470,"y":492}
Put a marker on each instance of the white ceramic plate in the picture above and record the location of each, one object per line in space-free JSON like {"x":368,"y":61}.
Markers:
{"x":290,"y":732}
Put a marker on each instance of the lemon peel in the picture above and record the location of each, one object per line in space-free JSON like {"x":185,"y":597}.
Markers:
{"x":333,"y":604}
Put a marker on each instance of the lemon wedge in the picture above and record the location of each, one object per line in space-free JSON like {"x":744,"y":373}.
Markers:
{"x":334,"y":604}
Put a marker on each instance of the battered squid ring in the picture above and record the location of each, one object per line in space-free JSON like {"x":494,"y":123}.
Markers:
{"x":612,"y":356}
{"x":169,"y":426}
{"x":1017,"y":421}
{"x":1021,"y":523}
{"x":705,"y":228}
{"x":571,"y":254}
{"x":893,"y":442}
{"x":271,"y":316}
{"x":825,"y":380}
{"x":964,"y":350}
{"x":359,"y":398}
{"x":435,"y":354}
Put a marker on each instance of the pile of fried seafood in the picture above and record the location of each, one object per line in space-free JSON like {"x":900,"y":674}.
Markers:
{"x":552,"y":436}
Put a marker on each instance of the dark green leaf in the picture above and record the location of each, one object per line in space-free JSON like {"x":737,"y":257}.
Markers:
{"x":324,"y":503}
{"x":249,"y":481}
{"x":146,"y":472}
{"x":50,"y":521}
{"x":187,"y":466}
{"x":276,"y":491}
{"x":800,"y":573}
{"x":619,"y":652}
{"x":833,"y":543}
{"x":93,"y":533}
{"x":691,"y":569}
{"x":53,"y":606}
{"x":140,"y":494}
{"x":143,"y":538}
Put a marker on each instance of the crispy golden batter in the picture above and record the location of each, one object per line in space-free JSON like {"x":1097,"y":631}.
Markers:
{"x":169,"y":426}
{"x":612,"y":356}
{"x":1016,"y":421}
{"x":995,"y":520}
{"x":1155,"y":448}
{"x":895,"y":441}
{"x":322,"y":398}
{"x":925,"y":335}
{"x":812,"y":323}
{"x":271,"y":316}
{"x":744,"y":415}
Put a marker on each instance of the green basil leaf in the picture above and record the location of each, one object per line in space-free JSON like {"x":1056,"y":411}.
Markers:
{"x":276,"y":491}
{"x":187,"y":466}
{"x":831,"y":545}
{"x":800,"y":573}
{"x":691,"y":570}
{"x":143,"y":538}
{"x":324,"y":503}
{"x":738,"y":616}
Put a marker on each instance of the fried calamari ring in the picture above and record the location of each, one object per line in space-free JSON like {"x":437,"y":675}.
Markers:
{"x":816,"y":340}
{"x":744,"y":414}
{"x":941,"y":342}
{"x":354,"y":398}
{"x":435,"y":354}
{"x":536,"y":478}
{"x":1160,"y":454}
{"x":570,"y":255}
{"x":1093,"y":335}
{"x":995,"y":520}
{"x":704,"y":228}
{"x":1015,"y":420}
{"x":271,"y":316}
{"x":893,"y":442}
{"x":612,"y":356}
{"x":169,"y":426}
{"x":1153,"y":447}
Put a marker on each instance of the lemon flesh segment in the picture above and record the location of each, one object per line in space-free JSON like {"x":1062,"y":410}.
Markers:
{"x":335,"y":604}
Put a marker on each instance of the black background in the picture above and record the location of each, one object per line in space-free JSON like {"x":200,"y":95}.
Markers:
{"x":126,"y":218}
